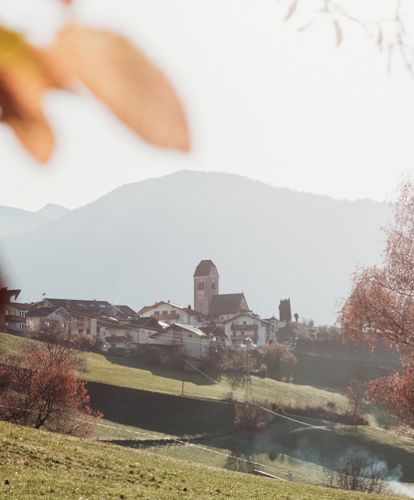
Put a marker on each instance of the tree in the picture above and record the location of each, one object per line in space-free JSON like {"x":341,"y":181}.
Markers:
{"x":274,"y":356}
{"x":236,"y":367}
{"x":358,"y":471}
{"x":386,"y":28}
{"x":381,"y":307}
{"x":41,"y":389}
{"x":355,"y":393}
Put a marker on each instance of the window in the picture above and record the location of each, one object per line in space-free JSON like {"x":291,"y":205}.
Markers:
{"x":201,"y":285}
{"x":156,"y":313}
{"x":213,"y":285}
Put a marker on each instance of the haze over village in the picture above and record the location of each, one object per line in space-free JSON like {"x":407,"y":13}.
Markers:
{"x":206,"y":250}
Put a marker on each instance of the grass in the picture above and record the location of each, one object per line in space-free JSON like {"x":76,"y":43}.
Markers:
{"x":109,"y":370}
{"x":40,"y":464}
{"x":126,"y":372}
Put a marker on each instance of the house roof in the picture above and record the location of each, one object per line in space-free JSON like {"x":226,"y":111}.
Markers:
{"x":188,"y":328}
{"x":6,"y":295}
{"x":250,"y":315}
{"x":94,"y":307}
{"x":20,"y":306}
{"x":40,"y":312}
{"x":213,"y":330}
{"x":149,"y":322}
{"x":228,"y":303}
{"x":187,"y":309}
{"x":204,"y":267}
{"x":127,"y":311}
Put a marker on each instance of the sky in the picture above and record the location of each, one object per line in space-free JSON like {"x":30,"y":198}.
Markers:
{"x":262,"y":99}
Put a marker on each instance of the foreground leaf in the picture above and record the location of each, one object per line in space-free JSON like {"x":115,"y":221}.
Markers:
{"x":126,"y":81}
{"x":24,"y":79}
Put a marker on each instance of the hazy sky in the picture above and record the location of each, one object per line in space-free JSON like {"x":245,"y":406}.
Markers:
{"x":262,"y":99}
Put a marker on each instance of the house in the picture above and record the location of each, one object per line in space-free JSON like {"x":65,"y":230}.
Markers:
{"x":145,"y":327}
{"x":5,"y":298}
{"x":190,"y":341}
{"x":248,"y":325}
{"x":172,"y":313}
{"x":15,"y":317}
{"x":93,"y":308}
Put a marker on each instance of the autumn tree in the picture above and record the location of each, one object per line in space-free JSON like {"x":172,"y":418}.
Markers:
{"x":381,"y":307}
{"x":41,"y":389}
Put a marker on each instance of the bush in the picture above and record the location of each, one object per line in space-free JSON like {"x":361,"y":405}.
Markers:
{"x":250,"y":417}
{"x":358,"y":471}
{"x":262,"y":371}
{"x":273,"y":357}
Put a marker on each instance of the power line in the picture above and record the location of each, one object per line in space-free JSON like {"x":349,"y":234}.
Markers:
{"x":281,"y":415}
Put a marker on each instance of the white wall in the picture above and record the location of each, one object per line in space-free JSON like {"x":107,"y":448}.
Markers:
{"x":182,"y":315}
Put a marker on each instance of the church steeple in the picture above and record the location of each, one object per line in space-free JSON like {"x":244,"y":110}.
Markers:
{"x":206,"y":285}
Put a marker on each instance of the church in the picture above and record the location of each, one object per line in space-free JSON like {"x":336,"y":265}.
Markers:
{"x":207,"y":299}
{"x":227,"y":313}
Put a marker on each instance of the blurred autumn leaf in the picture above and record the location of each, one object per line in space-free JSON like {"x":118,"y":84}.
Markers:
{"x":126,"y":81}
{"x":114,"y":70}
{"x":24,"y":79}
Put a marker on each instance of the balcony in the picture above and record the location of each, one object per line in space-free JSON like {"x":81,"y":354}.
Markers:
{"x":237,"y":327}
{"x":170,"y":316}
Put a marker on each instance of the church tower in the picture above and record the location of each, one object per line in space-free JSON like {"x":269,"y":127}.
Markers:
{"x":206,"y":285}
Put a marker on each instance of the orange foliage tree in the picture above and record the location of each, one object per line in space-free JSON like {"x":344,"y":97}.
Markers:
{"x":41,"y":389}
{"x":381,"y":306}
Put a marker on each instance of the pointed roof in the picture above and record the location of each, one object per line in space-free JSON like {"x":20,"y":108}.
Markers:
{"x":228,"y":303}
{"x":204,"y":268}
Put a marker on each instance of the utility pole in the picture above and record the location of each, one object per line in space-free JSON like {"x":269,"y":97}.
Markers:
{"x":248,"y":380}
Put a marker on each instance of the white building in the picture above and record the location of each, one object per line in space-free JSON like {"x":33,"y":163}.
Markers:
{"x":171,"y":313}
{"x":190,"y":341}
{"x":249,"y":325}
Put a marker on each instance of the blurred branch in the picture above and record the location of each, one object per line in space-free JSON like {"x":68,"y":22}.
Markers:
{"x":390,"y":32}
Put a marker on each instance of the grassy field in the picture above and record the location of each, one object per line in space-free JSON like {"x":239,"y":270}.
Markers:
{"x":39,"y":464}
{"x":125,"y":372}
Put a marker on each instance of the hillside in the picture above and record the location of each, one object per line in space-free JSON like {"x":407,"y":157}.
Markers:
{"x":128,"y":373}
{"x":147,"y":403}
{"x":37,"y":463}
{"x":141,"y":243}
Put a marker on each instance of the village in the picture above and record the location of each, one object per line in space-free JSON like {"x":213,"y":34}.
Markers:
{"x":216,"y":319}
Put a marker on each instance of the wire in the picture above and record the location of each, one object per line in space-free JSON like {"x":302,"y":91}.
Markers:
{"x":281,"y":415}
{"x":175,"y":439}
{"x":200,"y":371}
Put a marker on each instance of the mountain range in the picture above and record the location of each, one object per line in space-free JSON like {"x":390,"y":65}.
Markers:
{"x":141,"y":243}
